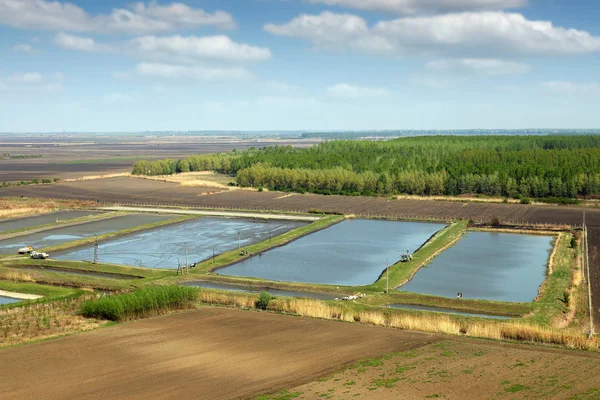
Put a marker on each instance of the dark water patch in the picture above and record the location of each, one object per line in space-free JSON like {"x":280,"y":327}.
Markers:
{"x":71,"y":233}
{"x":165,"y":247}
{"x":8,"y":300}
{"x":353,"y":253}
{"x":487,"y":265}
{"x":12,"y":224}
{"x":444,"y":310}
{"x":255,"y":290}
{"x":80,"y":272}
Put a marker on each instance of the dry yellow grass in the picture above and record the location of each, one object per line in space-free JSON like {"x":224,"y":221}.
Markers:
{"x":14,"y":207}
{"x":16,"y":276}
{"x":430,"y":322}
{"x":40,"y":321}
{"x":94,"y":177}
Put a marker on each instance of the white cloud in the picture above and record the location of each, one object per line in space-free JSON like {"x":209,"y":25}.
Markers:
{"x":468,"y":34}
{"x":23,"y":48}
{"x":425,"y":6}
{"x":483,"y":66}
{"x":179,"y":13}
{"x":324,"y":30}
{"x":206,"y":74}
{"x":139,"y":19}
{"x":79,"y":43}
{"x":27,"y":77}
{"x":219,"y":48}
{"x":351,"y":92}
{"x":568,"y":87}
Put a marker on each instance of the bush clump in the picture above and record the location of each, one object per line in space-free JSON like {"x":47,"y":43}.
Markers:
{"x":144,"y":302}
{"x":263,"y":300}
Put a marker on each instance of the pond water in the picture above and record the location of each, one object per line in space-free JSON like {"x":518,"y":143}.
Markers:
{"x":164,"y":247}
{"x":253,"y":289}
{"x":444,"y":310}
{"x":487,"y":265}
{"x":8,"y":300}
{"x":11,"y":224}
{"x":353,"y":252}
{"x":70,"y":233}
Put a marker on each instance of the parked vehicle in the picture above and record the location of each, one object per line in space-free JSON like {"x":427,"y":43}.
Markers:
{"x":39,"y":256}
{"x":25,"y":250}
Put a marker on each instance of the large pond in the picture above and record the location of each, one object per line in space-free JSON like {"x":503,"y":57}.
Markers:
{"x":353,"y":252}
{"x":8,"y":300}
{"x":254,"y":290}
{"x":11,"y":224}
{"x":487,"y":265}
{"x":70,"y":233}
{"x":164,"y":247}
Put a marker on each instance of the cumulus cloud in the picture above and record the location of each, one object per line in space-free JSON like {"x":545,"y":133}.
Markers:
{"x":483,"y":66}
{"x":179,"y":13}
{"x":324,"y":30}
{"x":138,"y":19}
{"x":26,"y":77}
{"x":79,"y":43}
{"x":201,"y":73}
{"x":23,"y":48}
{"x":408,"y":7}
{"x":568,"y":87}
{"x":468,"y":34}
{"x":345,"y":91}
{"x":219,"y":48}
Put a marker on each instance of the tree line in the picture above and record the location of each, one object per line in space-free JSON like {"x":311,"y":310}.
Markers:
{"x":515,"y":166}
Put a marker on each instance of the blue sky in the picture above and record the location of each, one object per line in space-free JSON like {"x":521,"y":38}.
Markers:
{"x":298,"y":64}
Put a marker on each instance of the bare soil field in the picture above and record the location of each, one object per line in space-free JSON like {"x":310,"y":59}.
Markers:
{"x":127,"y":190}
{"x":594,"y":255}
{"x":74,"y":156}
{"x":212,"y":353}
{"x":465,"y":369}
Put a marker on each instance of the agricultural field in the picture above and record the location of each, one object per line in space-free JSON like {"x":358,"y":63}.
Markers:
{"x":38,"y":157}
{"x":161,"y":357}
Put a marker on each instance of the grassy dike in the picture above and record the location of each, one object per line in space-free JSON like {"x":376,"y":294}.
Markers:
{"x":233,"y":256}
{"x":402,"y":272}
{"x":33,"y":288}
{"x":111,"y":235}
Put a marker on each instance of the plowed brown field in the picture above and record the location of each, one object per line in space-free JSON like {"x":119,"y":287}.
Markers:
{"x":212,"y":353}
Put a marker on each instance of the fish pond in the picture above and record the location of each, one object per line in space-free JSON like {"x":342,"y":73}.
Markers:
{"x":165,"y":247}
{"x":71,"y":233}
{"x":487,"y":265}
{"x":254,"y":290}
{"x":31,"y":222}
{"x":353,"y":252}
{"x":8,"y":300}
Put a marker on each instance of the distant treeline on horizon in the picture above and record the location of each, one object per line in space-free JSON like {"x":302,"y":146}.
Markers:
{"x":511,"y":166}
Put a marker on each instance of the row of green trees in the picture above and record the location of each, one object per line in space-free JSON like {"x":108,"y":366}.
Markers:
{"x":532,"y":166}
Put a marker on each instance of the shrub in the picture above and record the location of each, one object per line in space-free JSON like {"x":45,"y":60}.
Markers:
{"x":573,"y":243}
{"x":263,"y":300}
{"x":150,"y":300}
{"x":495,"y":222}
{"x":525,"y":200}
{"x":260,"y":189}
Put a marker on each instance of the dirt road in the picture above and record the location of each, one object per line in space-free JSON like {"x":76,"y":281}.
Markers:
{"x":213,"y":353}
{"x":234,"y":214}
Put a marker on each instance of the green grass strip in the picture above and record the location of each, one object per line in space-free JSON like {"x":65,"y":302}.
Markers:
{"x":402,"y":272}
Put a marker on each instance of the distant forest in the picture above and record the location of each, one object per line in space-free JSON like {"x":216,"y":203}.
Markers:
{"x":511,"y":166}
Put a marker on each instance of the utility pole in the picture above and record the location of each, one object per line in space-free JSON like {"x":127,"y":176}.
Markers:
{"x":238,"y":242}
{"x":387,"y":275}
{"x":213,"y":260}
{"x":187,"y":267}
{"x":96,"y":251}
